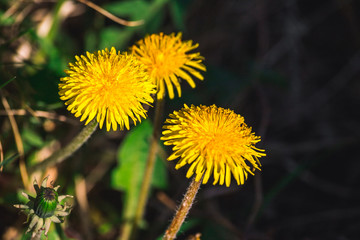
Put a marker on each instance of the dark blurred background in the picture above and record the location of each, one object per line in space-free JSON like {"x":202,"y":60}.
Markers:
{"x":291,"y":68}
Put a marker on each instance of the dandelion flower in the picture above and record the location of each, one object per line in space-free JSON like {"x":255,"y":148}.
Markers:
{"x":212,"y":140}
{"x":108,"y":85}
{"x":167,"y":58}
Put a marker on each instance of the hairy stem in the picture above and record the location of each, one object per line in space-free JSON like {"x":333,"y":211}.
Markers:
{"x":183,"y":210}
{"x":70,"y":149}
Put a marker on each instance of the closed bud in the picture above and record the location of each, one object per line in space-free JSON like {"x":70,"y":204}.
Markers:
{"x":46,"y":202}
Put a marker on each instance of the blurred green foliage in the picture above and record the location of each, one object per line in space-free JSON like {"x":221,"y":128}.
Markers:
{"x":128,"y":174}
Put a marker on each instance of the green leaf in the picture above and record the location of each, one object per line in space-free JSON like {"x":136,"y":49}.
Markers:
{"x":26,"y":236}
{"x":160,"y":174}
{"x":53,"y":235}
{"x":91,"y":40}
{"x":60,"y":234}
{"x":32,"y":138}
{"x":114,"y":36}
{"x":154,"y":22}
{"x":177,"y":9}
{"x":155,"y":10}
{"x":128,"y":175}
{"x":135,"y":10}
{"x":45,"y":86}
{"x":6,"y":161}
{"x":152,"y":12}
{"x":105,"y":228}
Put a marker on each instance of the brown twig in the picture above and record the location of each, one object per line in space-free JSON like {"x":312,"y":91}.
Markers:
{"x":99,"y":172}
{"x":39,"y":113}
{"x":111,"y":16}
{"x":81,"y":197}
{"x":215,"y":214}
{"x":19,"y":143}
{"x":12,"y":10}
{"x":166,"y":200}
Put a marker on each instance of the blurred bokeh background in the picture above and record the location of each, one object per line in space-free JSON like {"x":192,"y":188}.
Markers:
{"x":291,"y":68}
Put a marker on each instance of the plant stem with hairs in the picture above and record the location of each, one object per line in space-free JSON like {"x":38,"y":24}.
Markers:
{"x":70,"y":149}
{"x":183,"y":210}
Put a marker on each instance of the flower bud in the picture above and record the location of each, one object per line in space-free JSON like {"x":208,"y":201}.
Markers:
{"x":46,"y":202}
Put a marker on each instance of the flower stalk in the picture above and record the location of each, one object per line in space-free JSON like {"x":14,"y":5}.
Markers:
{"x":150,"y":163}
{"x":213,"y":141}
{"x":70,"y":149}
{"x":130,"y":228}
{"x":183,"y":210}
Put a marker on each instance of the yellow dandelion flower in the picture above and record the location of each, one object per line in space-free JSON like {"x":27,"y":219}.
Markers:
{"x":167,"y":59}
{"x":108,"y":85}
{"x":212,"y":140}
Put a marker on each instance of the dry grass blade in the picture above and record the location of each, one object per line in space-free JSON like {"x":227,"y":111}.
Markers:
{"x":111,"y":16}
{"x":38,"y":113}
{"x":82,"y":200}
{"x":18,"y":141}
{"x":7,"y":82}
{"x":1,"y":156}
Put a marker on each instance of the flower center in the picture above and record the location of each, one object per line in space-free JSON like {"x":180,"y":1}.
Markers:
{"x":160,"y":58}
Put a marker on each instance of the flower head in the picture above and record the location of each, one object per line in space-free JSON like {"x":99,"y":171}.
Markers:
{"x":108,"y":85}
{"x":167,"y":59}
{"x":45,"y":208}
{"x":212,"y":140}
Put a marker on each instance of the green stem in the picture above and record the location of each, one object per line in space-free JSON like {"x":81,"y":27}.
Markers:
{"x":67,"y":151}
{"x":130,"y":227}
{"x":183,"y":210}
